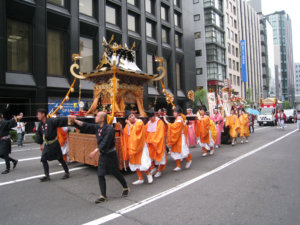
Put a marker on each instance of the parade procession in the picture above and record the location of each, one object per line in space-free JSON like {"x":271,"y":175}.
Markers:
{"x":117,"y":134}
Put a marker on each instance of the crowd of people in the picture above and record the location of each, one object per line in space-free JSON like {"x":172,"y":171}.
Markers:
{"x":144,"y":146}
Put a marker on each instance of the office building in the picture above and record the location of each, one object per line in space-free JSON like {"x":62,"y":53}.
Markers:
{"x":249,"y":23}
{"x":283,"y":47}
{"x":38,"y":39}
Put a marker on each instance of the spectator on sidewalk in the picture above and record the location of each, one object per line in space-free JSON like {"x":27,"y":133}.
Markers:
{"x":20,"y":131}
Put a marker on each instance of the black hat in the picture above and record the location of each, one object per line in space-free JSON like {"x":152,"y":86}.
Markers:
{"x":203,"y":107}
{"x":150,"y":113}
{"x":178,"y":109}
{"x":127,"y":114}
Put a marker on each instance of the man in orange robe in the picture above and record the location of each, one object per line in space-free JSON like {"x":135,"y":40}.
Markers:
{"x":244,"y":126}
{"x":135,"y":149}
{"x":202,"y":130}
{"x":234,"y":124}
{"x":176,"y":137}
{"x":155,"y":139}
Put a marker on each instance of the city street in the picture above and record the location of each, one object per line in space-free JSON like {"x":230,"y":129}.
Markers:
{"x":253,"y":183}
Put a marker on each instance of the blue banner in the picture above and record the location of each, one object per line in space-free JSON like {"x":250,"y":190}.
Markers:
{"x":71,"y":105}
{"x":244,"y":61}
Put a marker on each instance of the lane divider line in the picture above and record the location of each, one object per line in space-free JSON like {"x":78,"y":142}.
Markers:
{"x":39,"y":176}
{"x":158,"y":196}
{"x":22,"y":160}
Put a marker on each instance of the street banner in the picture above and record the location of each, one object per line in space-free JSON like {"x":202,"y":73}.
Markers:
{"x":244,"y":61}
{"x":211,"y":102}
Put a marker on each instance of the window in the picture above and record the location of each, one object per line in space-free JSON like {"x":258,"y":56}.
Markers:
{"x":55,"y":53}
{"x":132,"y":2}
{"x":235,"y":24}
{"x":237,"y":66}
{"x":18,"y":57}
{"x":229,"y":48}
{"x":149,"y":29}
{"x":132,"y":25}
{"x":198,"y":52}
{"x":176,"y":20}
{"x":197,"y":35}
{"x":176,"y":2}
{"x":233,"y":64}
{"x":227,"y":16}
{"x":196,"y":1}
{"x":164,"y":13}
{"x":149,"y":64}
{"x":199,"y":71}
{"x":232,"y":50}
{"x":197,"y":17}
{"x":232,"y":36}
{"x":165,"y":35}
{"x":110,"y":15}
{"x":234,"y":79}
{"x":238,"y":81}
{"x":149,"y":6}
{"x":230,"y":78}
{"x":231,"y":21}
{"x":229,"y":63}
{"x":178,"y":76}
{"x":86,"y":7}
{"x":228,"y":33}
{"x":86,"y":52}
{"x":237,"y":52}
{"x":236,"y":38}
{"x":234,"y":10}
{"x":177,"y":40}
{"x":230,"y":6}
{"x":57,"y":2}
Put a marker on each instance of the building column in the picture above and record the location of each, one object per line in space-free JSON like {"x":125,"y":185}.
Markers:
{"x":2,"y":42}
{"x":39,"y":46}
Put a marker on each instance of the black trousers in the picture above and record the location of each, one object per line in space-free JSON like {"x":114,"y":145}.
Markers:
{"x":46,"y":165}
{"x":118,"y":175}
{"x":8,"y":159}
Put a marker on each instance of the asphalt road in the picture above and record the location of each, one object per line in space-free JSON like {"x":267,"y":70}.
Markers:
{"x":253,"y":183}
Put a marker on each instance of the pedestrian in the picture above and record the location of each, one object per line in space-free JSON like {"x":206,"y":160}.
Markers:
{"x":20,"y":131}
{"x":176,"y":137}
{"x":108,"y":159}
{"x":46,"y":136}
{"x":219,"y":123}
{"x":192,"y":139}
{"x":232,"y":122}
{"x":282,"y":119}
{"x":134,"y":148}
{"x":297,"y":118}
{"x":5,"y":143}
{"x":203,"y":131}
{"x":155,"y":139}
{"x":244,"y":126}
{"x":277,"y":117}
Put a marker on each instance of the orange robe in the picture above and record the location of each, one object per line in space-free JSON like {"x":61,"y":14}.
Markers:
{"x":234,"y":124}
{"x":155,"y":140}
{"x":174,"y":135}
{"x":213,"y":131}
{"x":202,"y":129}
{"x":133,"y":142}
{"x":244,"y":125}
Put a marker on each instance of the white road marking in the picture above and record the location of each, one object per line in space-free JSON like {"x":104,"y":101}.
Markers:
{"x":38,"y":176}
{"x":25,"y":150}
{"x":26,"y":159}
{"x":147,"y":201}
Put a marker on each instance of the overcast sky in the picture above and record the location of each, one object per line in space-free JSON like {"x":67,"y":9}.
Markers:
{"x":292,"y":7}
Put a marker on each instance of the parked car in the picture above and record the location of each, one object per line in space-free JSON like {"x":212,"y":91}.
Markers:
{"x":290,"y":115}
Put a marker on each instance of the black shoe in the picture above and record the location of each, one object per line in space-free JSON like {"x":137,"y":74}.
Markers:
{"x":100,"y":200}
{"x":5,"y":171}
{"x":66,"y":176}
{"x":45,"y":178}
{"x":15,"y":163}
{"x":125,"y":192}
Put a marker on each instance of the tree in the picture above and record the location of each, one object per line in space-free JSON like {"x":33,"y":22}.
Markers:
{"x":201,"y":97}
{"x":286,"y":105}
{"x":248,"y":96}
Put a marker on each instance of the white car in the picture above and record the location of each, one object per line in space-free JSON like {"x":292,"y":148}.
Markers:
{"x":267,"y":117}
